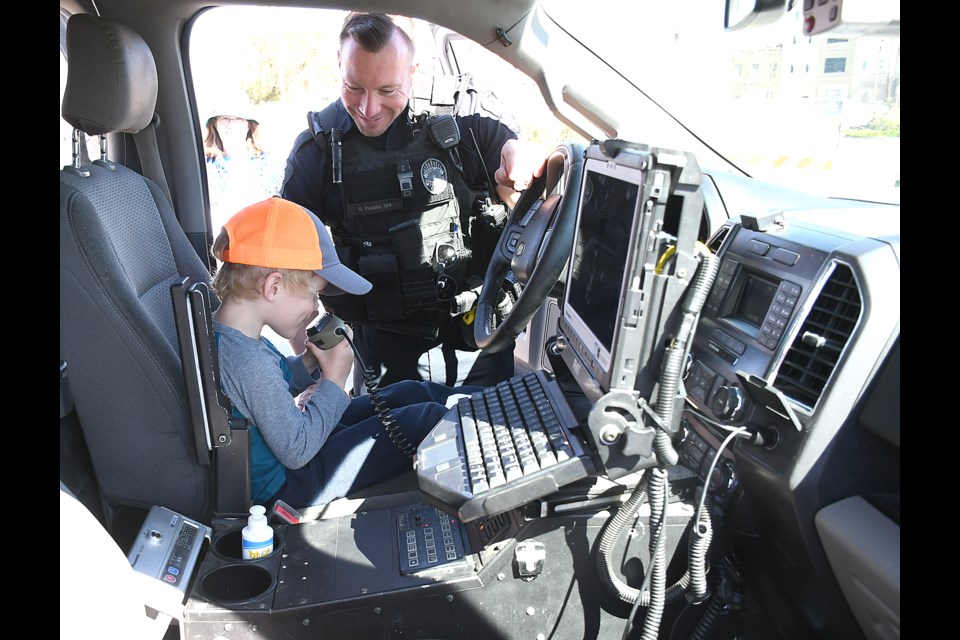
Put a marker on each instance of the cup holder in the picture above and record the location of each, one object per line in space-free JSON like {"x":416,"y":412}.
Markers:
{"x":229,"y":545}
{"x":236,"y":583}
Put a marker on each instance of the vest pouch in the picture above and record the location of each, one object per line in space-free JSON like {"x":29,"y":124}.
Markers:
{"x":384,"y":302}
{"x":486,"y":227}
{"x":416,"y":274}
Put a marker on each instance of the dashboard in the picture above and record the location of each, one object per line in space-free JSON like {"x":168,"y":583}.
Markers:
{"x":790,"y":387}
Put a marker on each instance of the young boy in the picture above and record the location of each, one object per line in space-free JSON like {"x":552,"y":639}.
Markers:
{"x":277,"y":257}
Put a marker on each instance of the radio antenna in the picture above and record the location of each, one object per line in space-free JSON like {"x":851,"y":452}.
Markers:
{"x":486,"y":174}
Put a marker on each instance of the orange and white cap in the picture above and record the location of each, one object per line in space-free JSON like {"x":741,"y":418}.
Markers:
{"x":280,"y":234}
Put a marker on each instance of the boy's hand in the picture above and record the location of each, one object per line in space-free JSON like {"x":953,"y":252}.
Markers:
{"x":336,"y":362}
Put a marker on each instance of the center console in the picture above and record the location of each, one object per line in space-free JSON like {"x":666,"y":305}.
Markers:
{"x":407,"y":569}
{"x":779,"y":316}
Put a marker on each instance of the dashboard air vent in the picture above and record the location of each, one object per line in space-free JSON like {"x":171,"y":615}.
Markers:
{"x":812,"y":357}
{"x":717,"y":239}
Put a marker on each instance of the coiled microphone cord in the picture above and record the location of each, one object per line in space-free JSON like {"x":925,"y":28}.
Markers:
{"x":379,"y":404}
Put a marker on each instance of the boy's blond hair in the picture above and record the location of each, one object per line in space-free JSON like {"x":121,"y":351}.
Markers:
{"x":244,"y":282}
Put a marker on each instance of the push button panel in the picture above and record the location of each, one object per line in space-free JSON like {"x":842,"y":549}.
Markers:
{"x":428,"y":538}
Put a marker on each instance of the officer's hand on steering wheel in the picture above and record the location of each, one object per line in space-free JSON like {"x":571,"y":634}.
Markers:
{"x":520,"y":164}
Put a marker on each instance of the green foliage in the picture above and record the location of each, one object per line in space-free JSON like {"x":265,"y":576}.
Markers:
{"x":281,"y":68}
{"x":878,"y":127}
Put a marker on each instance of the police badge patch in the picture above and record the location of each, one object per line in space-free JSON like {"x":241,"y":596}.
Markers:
{"x":434,"y":176}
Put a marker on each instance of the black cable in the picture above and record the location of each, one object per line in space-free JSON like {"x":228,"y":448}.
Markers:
{"x":709,"y":618}
{"x":676,"y":621}
{"x":389,"y":423}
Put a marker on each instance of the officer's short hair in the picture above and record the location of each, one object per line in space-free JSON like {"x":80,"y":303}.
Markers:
{"x":372,"y":31}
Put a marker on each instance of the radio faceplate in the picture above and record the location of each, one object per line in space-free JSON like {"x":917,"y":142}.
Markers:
{"x":748,"y":323}
{"x":758,"y":290}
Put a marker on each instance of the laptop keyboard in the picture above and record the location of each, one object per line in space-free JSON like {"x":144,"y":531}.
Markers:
{"x":502,"y":447}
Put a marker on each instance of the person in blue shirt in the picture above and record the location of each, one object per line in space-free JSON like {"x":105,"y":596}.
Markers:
{"x":239,"y":170}
{"x":310,"y":443}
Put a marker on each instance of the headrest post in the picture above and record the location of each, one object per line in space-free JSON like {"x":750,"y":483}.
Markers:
{"x":83,"y":173}
{"x":76,"y":148}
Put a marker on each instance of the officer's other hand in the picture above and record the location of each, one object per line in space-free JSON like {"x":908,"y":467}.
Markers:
{"x":305,"y":395}
{"x":520,"y":163}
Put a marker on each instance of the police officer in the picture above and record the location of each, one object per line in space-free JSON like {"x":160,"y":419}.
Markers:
{"x":400,"y":193}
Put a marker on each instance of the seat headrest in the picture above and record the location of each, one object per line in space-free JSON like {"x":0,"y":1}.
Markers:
{"x":111,"y":77}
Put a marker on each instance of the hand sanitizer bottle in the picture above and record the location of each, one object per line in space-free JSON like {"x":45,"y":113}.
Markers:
{"x":257,"y":535}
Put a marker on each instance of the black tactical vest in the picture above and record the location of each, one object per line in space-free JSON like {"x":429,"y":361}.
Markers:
{"x":406,"y":229}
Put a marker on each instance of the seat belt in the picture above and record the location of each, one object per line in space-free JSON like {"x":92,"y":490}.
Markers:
{"x":146,"y":141}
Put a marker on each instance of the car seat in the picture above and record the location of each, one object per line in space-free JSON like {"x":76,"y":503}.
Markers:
{"x":121,"y":250}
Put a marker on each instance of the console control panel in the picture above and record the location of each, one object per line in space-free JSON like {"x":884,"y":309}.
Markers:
{"x":428,"y":538}
{"x":697,"y":453}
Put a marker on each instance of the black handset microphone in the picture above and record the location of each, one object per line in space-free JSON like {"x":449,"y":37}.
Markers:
{"x":330,"y":331}
{"x":444,"y":131}
{"x":324,"y":332}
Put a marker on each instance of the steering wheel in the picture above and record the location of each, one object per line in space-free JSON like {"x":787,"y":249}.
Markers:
{"x":535,"y":244}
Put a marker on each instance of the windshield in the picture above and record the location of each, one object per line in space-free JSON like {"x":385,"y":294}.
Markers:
{"x":818,"y":113}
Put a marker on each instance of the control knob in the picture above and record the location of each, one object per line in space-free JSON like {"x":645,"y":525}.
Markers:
{"x":722,"y":481}
{"x":728,"y":402}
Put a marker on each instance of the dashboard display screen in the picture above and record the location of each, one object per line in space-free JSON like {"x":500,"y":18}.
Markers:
{"x":755,"y":298}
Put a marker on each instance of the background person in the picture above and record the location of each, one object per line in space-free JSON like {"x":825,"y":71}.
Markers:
{"x":401,"y":205}
{"x":239,"y":170}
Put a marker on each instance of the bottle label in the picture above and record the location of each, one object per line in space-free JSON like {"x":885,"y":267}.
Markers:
{"x":257,"y":549}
